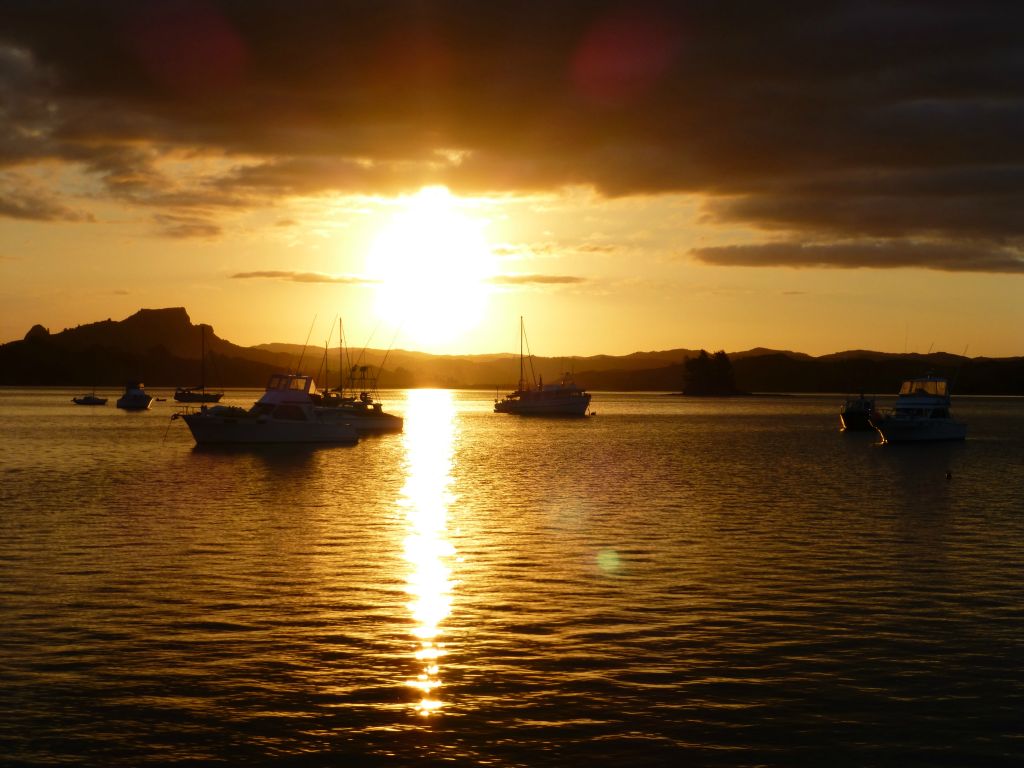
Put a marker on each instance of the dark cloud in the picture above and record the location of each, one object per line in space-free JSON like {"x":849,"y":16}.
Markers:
{"x":969,"y":202}
{"x":303,"y":277}
{"x":822,"y":120}
{"x":536,"y":279}
{"x":884,"y":255}
{"x":18,"y":201}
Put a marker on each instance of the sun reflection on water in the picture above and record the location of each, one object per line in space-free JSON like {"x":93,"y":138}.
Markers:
{"x":429,"y":439}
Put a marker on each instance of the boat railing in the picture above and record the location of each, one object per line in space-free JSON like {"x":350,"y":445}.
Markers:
{"x":214,"y":408}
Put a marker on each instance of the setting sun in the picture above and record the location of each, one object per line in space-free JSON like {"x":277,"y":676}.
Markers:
{"x":431,"y":263}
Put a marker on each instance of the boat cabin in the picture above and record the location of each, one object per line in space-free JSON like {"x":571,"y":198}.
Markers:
{"x":927,"y":387}
{"x":286,"y":388}
{"x":291,"y":382}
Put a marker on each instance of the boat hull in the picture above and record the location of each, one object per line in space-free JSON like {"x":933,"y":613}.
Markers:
{"x":89,"y":400}
{"x":135,"y":403}
{"x":198,"y":397}
{"x":856,"y":414}
{"x":855,"y":421}
{"x":209,"y":429}
{"x":365,"y":416}
{"x":567,"y":406}
{"x":920,"y":430}
{"x":385,"y":422}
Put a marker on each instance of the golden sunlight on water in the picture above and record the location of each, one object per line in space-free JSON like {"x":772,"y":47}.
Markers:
{"x":429,"y":439}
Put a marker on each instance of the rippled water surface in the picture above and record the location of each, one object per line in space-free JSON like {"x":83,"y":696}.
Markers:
{"x":701,"y":582}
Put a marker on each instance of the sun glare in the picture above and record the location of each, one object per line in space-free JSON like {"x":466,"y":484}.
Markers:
{"x":432,"y":262}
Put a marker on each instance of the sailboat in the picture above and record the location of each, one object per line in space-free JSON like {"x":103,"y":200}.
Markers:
{"x":198,"y":394}
{"x":540,"y":399}
{"x":90,"y":399}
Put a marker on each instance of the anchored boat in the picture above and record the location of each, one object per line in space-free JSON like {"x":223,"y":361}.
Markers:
{"x":856,"y":414}
{"x":199,"y":394}
{"x":135,"y":397}
{"x":540,"y":399}
{"x":921,"y":413}
{"x":286,"y":413}
{"x":90,"y":399}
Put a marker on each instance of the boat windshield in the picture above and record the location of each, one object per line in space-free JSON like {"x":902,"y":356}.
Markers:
{"x":297,"y":383}
{"x":930,"y":387}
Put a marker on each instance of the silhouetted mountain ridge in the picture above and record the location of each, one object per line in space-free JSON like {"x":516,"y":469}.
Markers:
{"x":162,"y":348}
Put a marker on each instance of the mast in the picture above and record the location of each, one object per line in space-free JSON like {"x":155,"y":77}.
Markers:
{"x":522,"y":381}
{"x":202,"y":359}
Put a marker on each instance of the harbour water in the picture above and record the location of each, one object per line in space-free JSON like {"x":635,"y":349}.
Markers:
{"x":672,"y":581}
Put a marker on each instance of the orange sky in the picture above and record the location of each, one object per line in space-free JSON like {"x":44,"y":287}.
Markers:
{"x":626,"y":176}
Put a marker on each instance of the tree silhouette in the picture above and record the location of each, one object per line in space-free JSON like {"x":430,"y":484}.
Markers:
{"x":709,"y":375}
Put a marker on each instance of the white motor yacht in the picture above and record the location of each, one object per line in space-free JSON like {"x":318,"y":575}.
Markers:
{"x":286,"y":413}
{"x":921,"y":413}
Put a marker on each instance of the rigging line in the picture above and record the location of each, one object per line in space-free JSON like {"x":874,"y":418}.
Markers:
{"x":303,"y":354}
{"x":362,"y":353}
{"x":323,"y":363}
{"x":173,"y":418}
{"x":341,"y":356}
{"x":376,"y":328}
{"x":959,"y":365}
{"x":529,"y":356}
{"x":380,"y":368}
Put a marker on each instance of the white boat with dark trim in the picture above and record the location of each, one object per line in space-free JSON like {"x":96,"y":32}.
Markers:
{"x":135,"y":397}
{"x":540,"y":399}
{"x":921,"y":413}
{"x":286,"y":413}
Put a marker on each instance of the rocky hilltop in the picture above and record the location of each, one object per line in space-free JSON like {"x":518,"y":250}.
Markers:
{"x":158,"y":346}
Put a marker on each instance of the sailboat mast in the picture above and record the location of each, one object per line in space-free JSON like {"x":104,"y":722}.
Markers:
{"x":202,"y":359}
{"x":522,"y":380}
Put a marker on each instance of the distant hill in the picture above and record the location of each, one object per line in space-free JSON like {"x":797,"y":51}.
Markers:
{"x":162,"y":348}
{"x":158,"y":346}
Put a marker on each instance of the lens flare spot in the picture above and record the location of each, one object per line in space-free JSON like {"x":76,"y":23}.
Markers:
{"x":608,"y":561}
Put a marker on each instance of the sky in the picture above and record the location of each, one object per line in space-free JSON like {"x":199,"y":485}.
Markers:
{"x":625,"y":176}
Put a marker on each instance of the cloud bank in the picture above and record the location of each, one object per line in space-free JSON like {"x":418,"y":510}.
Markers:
{"x":889,"y":125}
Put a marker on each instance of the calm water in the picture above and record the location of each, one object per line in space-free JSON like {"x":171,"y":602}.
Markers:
{"x":692,"y":582}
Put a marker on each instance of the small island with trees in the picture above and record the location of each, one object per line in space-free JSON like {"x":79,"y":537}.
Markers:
{"x":709,"y":376}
